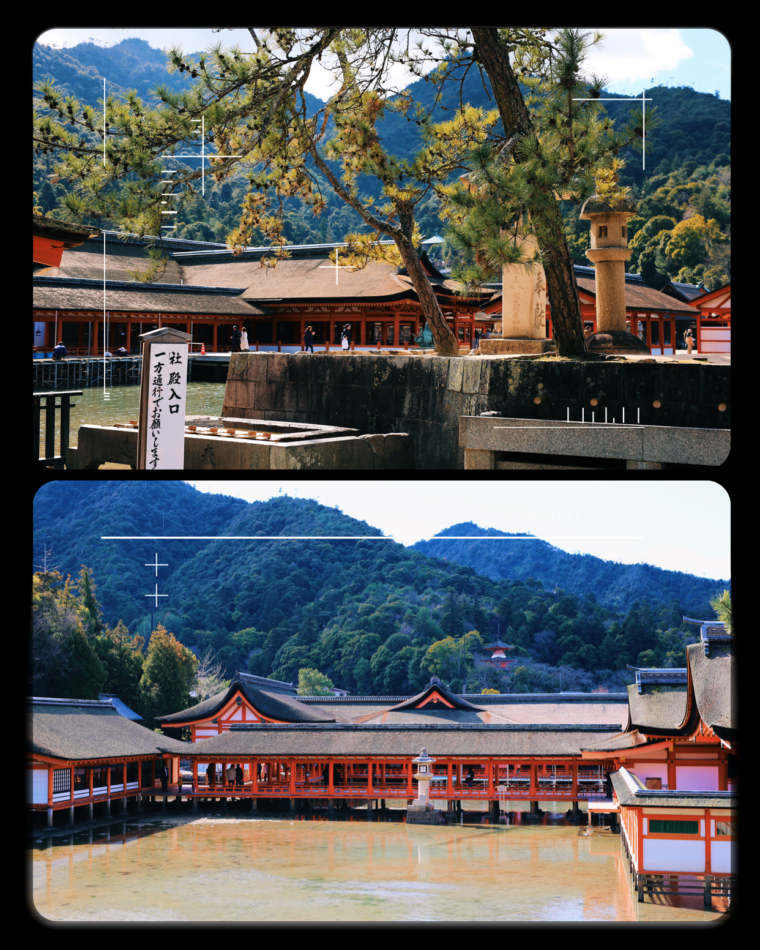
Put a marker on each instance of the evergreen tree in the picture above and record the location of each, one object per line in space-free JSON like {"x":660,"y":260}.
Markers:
{"x":89,"y":603}
{"x":82,"y":675}
{"x":168,"y":675}
{"x":558,"y":151}
{"x":122,"y":657}
{"x":313,"y":683}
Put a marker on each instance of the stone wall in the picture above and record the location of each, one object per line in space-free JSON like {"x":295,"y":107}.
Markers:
{"x":426,"y":395}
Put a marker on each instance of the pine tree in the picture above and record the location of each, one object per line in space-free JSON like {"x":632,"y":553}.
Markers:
{"x":552,"y":151}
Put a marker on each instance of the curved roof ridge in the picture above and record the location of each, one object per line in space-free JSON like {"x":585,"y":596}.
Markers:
{"x":277,"y":705}
{"x":435,"y":685}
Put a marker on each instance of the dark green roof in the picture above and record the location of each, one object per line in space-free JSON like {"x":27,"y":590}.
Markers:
{"x":393,"y":740}
{"x":276,"y":705}
{"x":74,"y":729}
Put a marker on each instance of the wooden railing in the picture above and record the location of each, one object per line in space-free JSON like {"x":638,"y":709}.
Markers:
{"x":47,"y":401}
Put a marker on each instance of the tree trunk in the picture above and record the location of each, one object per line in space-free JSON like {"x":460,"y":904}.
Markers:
{"x":446,"y":343}
{"x":443,"y":335}
{"x":560,"y":277}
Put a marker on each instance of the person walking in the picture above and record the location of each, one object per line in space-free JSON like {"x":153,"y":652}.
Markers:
{"x":347,"y":330}
{"x":210,"y":775}
{"x":236,"y":335}
{"x":244,"y":341}
{"x":308,"y":340}
{"x":60,"y":351}
{"x":689,"y":339}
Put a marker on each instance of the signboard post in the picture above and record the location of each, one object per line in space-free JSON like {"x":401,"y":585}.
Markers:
{"x":163,"y":392}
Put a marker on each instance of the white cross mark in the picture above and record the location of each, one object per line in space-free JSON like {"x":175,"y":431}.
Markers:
{"x":156,"y":565}
{"x":336,"y":265}
{"x":157,"y":595}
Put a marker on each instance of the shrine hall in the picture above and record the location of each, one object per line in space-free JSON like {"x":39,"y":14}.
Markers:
{"x":205,"y":290}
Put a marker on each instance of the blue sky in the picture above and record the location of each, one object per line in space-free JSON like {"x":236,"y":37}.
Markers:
{"x":633,"y":59}
{"x":680,"y":526}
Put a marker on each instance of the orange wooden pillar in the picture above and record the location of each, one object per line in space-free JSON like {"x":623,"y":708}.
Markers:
{"x":673,"y":333}
{"x":450,"y":782}
{"x":661,"y":325}
{"x":533,"y":779}
{"x":292,"y":776}
{"x":409,"y":788}
{"x":574,"y":789}
{"x":396,"y":328}
{"x":699,"y":331}
{"x":490,"y":766}
{"x":213,"y":344}
{"x":649,"y":331}
{"x":330,"y":777}
{"x":370,"y":765}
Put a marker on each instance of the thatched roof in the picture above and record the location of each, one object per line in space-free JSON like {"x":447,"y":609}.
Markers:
{"x":712,"y":681}
{"x":612,"y":714}
{"x":394,"y":740}
{"x":74,"y":729}
{"x":642,"y":298}
{"x":121,"y":296}
{"x":657,"y":709}
{"x":627,"y":740}
{"x":597,"y":205}
{"x":674,"y":799}
{"x":87,"y":261}
{"x":276,"y":705}
{"x":44,"y":225}
{"x":431,"y":716}
{"x":434,"y":686}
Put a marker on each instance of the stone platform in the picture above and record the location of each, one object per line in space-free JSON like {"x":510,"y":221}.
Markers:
{"x":494,"y":442}
{"x":292,"y":446}
{"x":428,"y":816}
{"x":527,"y":347}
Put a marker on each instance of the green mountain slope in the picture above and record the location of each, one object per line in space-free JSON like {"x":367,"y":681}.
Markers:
{"x":616,"y":586}
{"x":365,"y":612}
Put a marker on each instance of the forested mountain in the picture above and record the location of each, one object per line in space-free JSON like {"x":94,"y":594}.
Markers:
{"x":374,"y":616}
{"x":616,"y":586}
{"x":686,"y":184}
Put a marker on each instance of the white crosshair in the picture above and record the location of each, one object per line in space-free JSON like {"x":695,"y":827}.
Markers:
{"x":336,"y":265}
{"x":157,"y":595}
{"x":156,"y":565}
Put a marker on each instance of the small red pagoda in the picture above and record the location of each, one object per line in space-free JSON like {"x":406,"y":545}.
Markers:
{"x":499,"y":658}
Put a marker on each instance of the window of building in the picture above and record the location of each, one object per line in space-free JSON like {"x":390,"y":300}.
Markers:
{"x":602,"y":231}
{"x":725,"y":828}
{"x":625,"y":230}
{"x":61,"y":780}
{"x":81,"y":779}
{"x":659,"y":827}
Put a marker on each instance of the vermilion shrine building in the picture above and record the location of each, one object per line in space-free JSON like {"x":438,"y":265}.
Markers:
{"x":676,"y":765}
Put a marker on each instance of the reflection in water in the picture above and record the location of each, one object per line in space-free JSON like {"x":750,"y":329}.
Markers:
{"x":269,"y":869}
{"x":203,"y":399}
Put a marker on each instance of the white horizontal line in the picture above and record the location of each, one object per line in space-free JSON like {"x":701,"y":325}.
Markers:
{"x":605,"y":425}
{"x":362,"y":537}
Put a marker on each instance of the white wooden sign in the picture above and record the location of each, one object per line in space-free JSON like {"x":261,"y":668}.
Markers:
{"x":167,"y":394}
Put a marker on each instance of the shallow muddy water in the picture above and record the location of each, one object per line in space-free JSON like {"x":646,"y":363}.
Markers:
{"x":220,"y":869}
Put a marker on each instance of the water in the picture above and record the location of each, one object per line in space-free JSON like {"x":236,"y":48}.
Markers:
{"x":203,"y":399}
{"x":217,"y":869}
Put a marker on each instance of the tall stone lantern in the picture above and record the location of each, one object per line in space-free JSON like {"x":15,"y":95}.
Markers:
{"x":609,"y":252}
{"x":424,"y":771}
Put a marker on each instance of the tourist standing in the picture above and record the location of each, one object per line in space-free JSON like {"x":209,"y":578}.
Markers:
{"x":689,"y":341}
{"x":470,"y":777}
{"x":239,"y":775}
{"x":60,"y":351}
{"x":347,"y":330}
{"x":344,"y":339}
{"x":308,"y":340}
{"x":244,"y":341}
{"x":236,"y":340}
{"x":231,"y":775}
{"x":164,"y":776}
{"x":476,"y":340}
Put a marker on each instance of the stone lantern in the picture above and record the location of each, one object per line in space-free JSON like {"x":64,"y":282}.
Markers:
{"x":609,"y":252}
{"x":523,"y":308}
{"x":423,"y":774}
